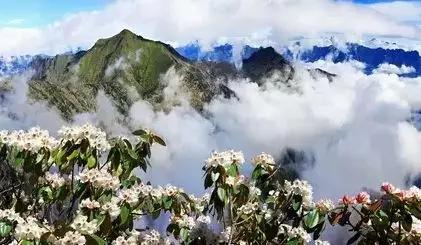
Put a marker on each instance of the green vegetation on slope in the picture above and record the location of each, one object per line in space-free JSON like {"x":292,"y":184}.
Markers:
{"x":118,"y":65}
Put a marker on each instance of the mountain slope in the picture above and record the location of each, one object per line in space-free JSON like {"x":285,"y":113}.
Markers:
{"x":126,"y":67}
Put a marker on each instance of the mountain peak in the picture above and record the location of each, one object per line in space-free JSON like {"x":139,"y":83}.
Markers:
{"x":127,"y":33}
{"x":264,"y":61}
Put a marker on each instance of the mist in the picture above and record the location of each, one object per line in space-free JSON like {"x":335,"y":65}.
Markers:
{"x":356,"y":128}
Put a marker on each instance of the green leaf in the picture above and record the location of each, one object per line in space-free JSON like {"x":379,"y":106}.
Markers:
{"x":5,"y":229}
{"x":184,"y":234}
{"x":312,"y":219}
{"x":26,"y":242}
{"x":46,"y":193}
{"x":139,"y":132}
{"x":208,"y":181}
{"x":354,"y":238}
{"x":407,"y":222}
{"x":124,"y":214}
{"x":232,"y":170}
{"x":74,"y":154}
{"x":297,"y":200}
{"x":257,"y":172}
{"x":106,"y":225}
{"x":91,"y":162}
{"x":159,"y":140}
{"x":167,"y":201}
{"x":293,"y":241}
{"x":95,"y":240}
{"x":132,"y":154}
{"x":215,"y":176}
{"x":222,"y":194}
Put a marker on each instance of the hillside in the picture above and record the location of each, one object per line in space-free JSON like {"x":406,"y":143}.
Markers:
{"x":126,"y":67}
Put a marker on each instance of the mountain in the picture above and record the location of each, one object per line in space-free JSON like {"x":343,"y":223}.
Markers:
{"x":264,"y":62}
{"x":14,"y":64}
{"x":371,"y":55}
{"x":126,"y":67}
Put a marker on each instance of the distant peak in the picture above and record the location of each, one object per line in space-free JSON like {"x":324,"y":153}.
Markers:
{"x":127,"y":34}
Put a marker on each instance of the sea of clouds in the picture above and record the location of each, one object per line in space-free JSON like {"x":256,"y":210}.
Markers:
{"x":356,"y":128}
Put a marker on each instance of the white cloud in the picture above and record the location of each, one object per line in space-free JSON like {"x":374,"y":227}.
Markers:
{"x":394,"y":69}
{"x":356,"y":128}
{"x":403,"y":11}
{"x":182,"y":21}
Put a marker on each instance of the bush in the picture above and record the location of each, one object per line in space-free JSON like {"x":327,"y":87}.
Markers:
{"x":81,"y":189}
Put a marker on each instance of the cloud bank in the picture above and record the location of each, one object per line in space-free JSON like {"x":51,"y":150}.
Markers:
{"x":208,"y":21}
{"x":356,"y":128}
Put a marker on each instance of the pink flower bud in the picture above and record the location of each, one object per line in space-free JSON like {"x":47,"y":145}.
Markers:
{"x":363,"y":197}
{"x":347,"y":200}
{"x":387,"y":187}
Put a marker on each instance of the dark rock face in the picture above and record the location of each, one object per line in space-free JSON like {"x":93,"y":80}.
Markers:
{"x":264,"y":62}
{"x":292,"y":162}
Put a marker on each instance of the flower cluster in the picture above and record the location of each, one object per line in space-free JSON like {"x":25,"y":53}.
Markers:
{"x":324,"y":206}
{"x":32,"y":140}
{"x":101,"y":179}
{"x":10,"y":215}
{"x":183,"y":221}
{"x":225,"y":159}
{"x":295,"y":232}
{"x":29,"y":229}
{"x":71,"y":238}
{"x":302,"y":188}
{"x":130,"y":239}
{"x":89,"y":204}
{"x":248,"y":208}
{"x":96,"y":137}
{"x":55,"y":180}
{"x":112,"y":207}
{"x":81,"y":224}
{"x":265,"y":160}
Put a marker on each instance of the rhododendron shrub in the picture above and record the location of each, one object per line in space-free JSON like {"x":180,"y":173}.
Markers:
{"x":393,"y":218}
{"x":82,"y":189}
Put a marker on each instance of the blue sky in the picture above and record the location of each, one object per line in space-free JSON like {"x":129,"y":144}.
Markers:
{"x":25,"y":25}
{"x":31,"y":13}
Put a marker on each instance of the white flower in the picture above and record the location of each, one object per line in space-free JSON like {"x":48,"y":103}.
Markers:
{"x":11,"y":215}
{"x":265,"y":160}
{"x":32,"y":140}
{"x":96,"y":137}
{"x":248,"y":208}
{"x":29,"y":230}
{"x":320,"y":242}
{"x":302,"y":188}
{"x":100,"y":179}
{"x":225,"y":159}
{"x":55,"y":180}
{"x":90,"y":204}
{"x":112,"y":207}
{"x":297,"y":232}
{"x":226,"y":234}
{"x":131,"y":239}
{"x":230,"y":180}
{"x":81,"y":224}
{"x":152,"y":238}
{"x":413,"y":192}
{"x":254,"y":191}
{"x":325,"y":205}
{"x":183,"y":221}
{"x":130,"y":196}
{"x":71,"y":238}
